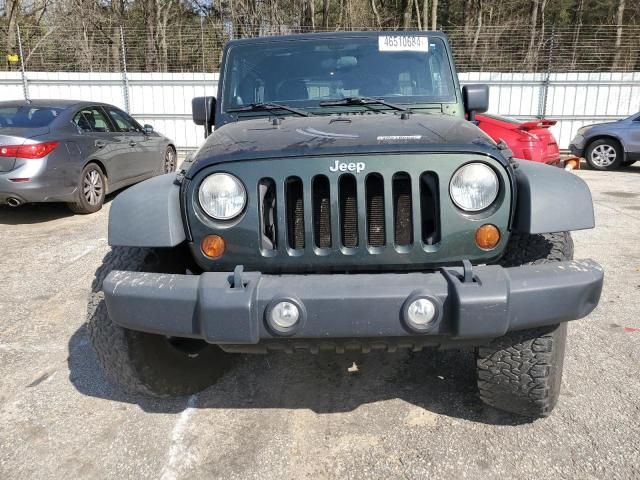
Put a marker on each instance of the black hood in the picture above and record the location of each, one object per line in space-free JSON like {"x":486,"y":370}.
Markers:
{"x":268,"y":137}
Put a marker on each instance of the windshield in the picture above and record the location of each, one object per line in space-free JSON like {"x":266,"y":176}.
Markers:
{"x":28,"y":117}
{"x":302,"y":73}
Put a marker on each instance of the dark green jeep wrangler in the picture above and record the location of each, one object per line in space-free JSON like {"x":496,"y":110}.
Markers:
{"x":345,"y":201}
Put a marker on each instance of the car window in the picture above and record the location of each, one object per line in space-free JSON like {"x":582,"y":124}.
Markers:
{"x":92,"y":119}
{"x":28,"y":117}
{"x":315,"y":70}
{"x":123,"y":122}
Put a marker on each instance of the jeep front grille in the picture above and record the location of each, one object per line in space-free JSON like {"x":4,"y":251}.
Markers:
{"x":347,"y":213}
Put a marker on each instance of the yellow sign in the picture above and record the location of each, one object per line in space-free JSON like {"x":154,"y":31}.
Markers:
{"x":12,"y":57}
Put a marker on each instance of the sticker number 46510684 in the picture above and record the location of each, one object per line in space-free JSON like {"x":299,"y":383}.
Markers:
{"x":403,"y":43}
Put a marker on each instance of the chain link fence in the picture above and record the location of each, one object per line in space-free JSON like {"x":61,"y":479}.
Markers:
{"x":195,"y":46}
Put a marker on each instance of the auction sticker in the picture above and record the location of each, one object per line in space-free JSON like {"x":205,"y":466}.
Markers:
{"x":403,"y":43}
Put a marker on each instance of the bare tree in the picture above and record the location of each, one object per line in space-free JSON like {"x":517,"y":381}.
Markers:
{"x":407,"y":15}
{"x":434,"y":15}
{"x":619,"y":20}
{"x":532,"y":51}
{"x":12,"y":10}
{"x":425,"y":14}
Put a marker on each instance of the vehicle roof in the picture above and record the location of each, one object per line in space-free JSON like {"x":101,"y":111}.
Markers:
{"x":317,"y":35}
{"x":48,"y":103}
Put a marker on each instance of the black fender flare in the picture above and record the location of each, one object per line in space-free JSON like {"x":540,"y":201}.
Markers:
{"x":147,"y":215}
{"x":550,"y":200}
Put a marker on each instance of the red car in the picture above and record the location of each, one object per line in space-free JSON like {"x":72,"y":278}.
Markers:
{"x":528,"y":140}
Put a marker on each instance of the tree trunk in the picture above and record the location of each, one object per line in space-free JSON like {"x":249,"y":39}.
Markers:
{"x":407,"y":16}
{"x":375,"y":13}
{"x":577,"y":21}
{"x":415,"y":3}
{"x":619,"y":20}
{"x":150,"y":9}
{"x":312,"y":14}
{"x":434,"y":15}
{"x":531,"y":56}
{"x":425,"y":14}
{"x":12,"y":10}
{"x":325,"y":13}
{"x":476,"y":36}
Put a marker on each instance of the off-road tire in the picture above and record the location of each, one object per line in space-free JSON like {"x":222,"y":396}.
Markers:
{"x":81,"y":204}
{"x":526,"y":249}
{"x":605,"y":142}
{"x":521,"y":372}
{"x":144,"y":363}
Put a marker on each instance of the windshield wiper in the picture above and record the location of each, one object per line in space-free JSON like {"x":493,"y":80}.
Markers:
{"x":362,"y":101}
{"x":268,"y":106}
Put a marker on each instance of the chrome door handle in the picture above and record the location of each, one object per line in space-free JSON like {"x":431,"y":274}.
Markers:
{"x":132,"y":143}
{"x":100,"y":144}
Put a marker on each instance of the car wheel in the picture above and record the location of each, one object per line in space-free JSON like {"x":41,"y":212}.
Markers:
{"x":91,"y":190}
{"x":170,"y":158}
{"x":521,"y":372}
{"x":604,"y":154}
{"x":144,"y":363}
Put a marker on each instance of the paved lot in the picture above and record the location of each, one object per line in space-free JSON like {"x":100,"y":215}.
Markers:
{"x":399,"y":416}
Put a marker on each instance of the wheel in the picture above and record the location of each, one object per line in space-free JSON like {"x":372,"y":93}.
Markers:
{"x":521,"y":372}
{"x":91,"y":190}
{"x":170,"y":160}
{"x":144,"y":363}
{"x":604,"y":154}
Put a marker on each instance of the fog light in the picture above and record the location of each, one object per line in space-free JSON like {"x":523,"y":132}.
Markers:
{"x":421,"y":313}
{"x":487,"y":236}
{"x":213,"y":246}
{"x":284,"y":315}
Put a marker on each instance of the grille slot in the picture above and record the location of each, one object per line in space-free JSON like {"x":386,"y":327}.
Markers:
{"x":374,"y":191}
{"x":430,"y":208}
{"x":348,"y":210}
{"x":402,"y":209}
{"x":295,"y":213}
{"x":268,"y":214}
{"x":321,"y":200}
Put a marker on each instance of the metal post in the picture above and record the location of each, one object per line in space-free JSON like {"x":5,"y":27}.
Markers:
{"x":25,"y":82}
{"x":544,"y":91}
{"x":125,"y":78}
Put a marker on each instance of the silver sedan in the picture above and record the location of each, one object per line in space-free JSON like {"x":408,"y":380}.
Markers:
{"x":75,"y":152}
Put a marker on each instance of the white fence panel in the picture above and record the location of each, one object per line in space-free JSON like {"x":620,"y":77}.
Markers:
{"x":164,"y":99}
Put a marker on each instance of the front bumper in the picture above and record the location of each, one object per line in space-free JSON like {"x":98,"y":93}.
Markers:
{"x":576,"y":147}
{"x":229,"y":308}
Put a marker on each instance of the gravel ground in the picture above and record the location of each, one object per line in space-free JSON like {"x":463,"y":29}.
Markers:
{"x":400,"y":416}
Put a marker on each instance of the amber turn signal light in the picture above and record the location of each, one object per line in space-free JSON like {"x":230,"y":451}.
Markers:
{"x":213,"y":246}
{"x":487,"y":236}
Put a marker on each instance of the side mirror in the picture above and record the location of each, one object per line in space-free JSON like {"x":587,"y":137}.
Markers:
{"x":203,"y":112}
{"x":148,"y":129}
{"x":475,"y":99}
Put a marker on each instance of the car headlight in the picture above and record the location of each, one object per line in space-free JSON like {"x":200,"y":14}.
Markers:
{"x":222,"y":196}
{"x":474,"y":187}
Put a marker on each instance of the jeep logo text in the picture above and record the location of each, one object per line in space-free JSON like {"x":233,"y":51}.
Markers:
{"x":347,"y":167}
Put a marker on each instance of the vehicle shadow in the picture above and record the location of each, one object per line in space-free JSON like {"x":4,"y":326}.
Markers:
{"x":32,"y":213}
{"x":442,"y":382}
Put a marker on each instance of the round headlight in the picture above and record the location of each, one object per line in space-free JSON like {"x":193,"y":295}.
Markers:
{"x":474,"y":187}
{"x":222,"y":196}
